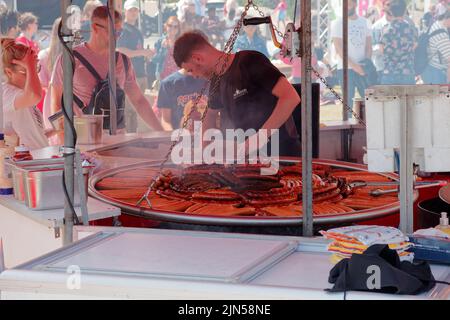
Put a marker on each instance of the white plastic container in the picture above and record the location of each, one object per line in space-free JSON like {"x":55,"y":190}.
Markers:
{"x":428,"y":110}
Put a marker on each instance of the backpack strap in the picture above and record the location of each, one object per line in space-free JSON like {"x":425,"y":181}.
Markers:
{"x":78,"y":101}
{"x":125,"y":63}
{"x":88,"y":66}
{"x":94,"y":72}
{"x":436,"y":32}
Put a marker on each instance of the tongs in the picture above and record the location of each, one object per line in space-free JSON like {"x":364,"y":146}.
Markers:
{"x":380,"y":192}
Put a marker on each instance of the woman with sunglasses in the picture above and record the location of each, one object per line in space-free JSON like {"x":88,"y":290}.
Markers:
{"x":21,"y":92}
{"x":165,"y":65}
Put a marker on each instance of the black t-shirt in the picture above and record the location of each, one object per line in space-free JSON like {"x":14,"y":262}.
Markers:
{"x":133,"y":39}
{"x":245,"y":97}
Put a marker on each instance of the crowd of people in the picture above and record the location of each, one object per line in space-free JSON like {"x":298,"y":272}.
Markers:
{"x":383,"y":49}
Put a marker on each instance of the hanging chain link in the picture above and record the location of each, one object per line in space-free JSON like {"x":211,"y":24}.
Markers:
{"x":319,"y":76}
{"x":346,"y":106}
{"x":214,"y":80}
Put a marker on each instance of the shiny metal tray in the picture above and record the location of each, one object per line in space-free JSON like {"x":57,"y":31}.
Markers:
{"x":44,"y":189}
{"x":40,"y":186}
{"x":18,"y":171}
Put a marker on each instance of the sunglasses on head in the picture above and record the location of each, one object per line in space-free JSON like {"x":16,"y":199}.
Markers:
{"x":38,"y":69}
{"x":19,"y":51}
{"x":118,"y":32}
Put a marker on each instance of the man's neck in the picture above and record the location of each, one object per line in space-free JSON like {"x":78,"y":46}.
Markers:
{"x":353,"y":17}
{"x":133,"y":23}
{"x":92,"y":45}
{"x":222,"y":56}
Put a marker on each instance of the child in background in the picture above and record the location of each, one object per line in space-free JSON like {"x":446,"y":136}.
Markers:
{"x":28,"y":24}
{"x":281,"y":8}
{"x":21,"y":92}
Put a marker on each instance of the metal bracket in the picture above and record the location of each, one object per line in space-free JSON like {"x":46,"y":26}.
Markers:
{"x":68,"y":38}
{"x":57,"y":232}
{"x":67,"y":151}
{"x":81,"y":188}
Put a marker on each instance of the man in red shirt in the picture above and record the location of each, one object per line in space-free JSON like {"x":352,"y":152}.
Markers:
{"x":28,"y":24}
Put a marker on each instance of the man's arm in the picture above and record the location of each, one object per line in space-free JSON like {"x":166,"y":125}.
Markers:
{"x":55,"y":104}
{"x":166,"y":118}
{"x":136,"y":53}
{"x":142,"y":106}
{"x":288,"y":99}
{"x":338,"y":44}
{"x":369,"y":47}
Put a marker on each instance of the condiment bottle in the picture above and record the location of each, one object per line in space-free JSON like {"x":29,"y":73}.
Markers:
{"x":443,"y":223}
{"x":6,"y":187}
{"x":22,"y":153}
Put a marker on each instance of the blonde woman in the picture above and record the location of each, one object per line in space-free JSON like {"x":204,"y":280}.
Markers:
{"x":21,"y":92}
{"x":164,"y":48}
{"x":47,"y":60}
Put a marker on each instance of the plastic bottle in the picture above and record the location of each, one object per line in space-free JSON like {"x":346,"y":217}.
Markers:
{"x":22,"y":153}
{"x":443,"y":223}
{"x":6,"y":186}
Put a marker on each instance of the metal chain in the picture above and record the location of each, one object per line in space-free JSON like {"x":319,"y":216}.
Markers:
{"x":322,"y":79}
{"x":221,"y":65}
{"x":349,"y":109}
{"x":262,"y":14}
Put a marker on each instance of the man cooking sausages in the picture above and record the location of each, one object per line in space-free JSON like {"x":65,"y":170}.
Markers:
{"x":251,"y":94}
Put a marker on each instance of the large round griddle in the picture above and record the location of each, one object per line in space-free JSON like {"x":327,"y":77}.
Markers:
{"x":444,"y":193}
{"x":179,"y":217}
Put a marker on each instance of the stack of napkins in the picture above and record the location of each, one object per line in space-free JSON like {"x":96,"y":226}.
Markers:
{"x":431,"y":245}
{"x":356,"y":239}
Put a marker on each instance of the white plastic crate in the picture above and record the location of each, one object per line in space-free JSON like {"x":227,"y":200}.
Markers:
{"x":429,"y":115}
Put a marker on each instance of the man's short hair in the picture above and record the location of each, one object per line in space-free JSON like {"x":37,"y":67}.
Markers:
{"x":26,"y":19}
{"x":8,"y":20}
{"x":102,"y":13}
{"x":397,"y":8}
{"x":89,"y":7}
{"x":186,"y":44}
{"x":444,"y":16}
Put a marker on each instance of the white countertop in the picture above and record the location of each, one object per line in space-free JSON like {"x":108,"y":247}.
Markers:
{"x":127,"y":263}
{"x":54,"y":218}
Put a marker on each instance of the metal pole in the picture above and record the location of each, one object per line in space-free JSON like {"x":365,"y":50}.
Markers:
{"x":345,"y":133}
{"x":345,"y":55}
{"x":2,"y":125}
{"x":68,"y":134}
{"x":160,"y":18}
{"x":112,"y":70}
{"x":306,"y":120}
{"x":406,"y":168}
{"x":139,"y":17}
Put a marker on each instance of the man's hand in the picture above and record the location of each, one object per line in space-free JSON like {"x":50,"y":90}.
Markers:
{"x":358,"y":69}
{"x":249,"y":148}
{"x":147,"y":53}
